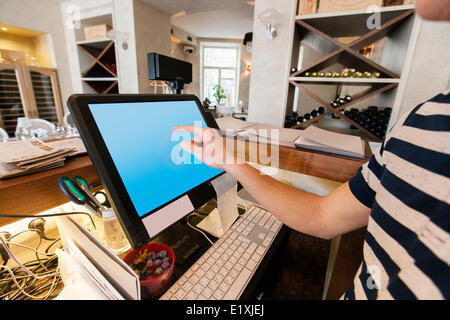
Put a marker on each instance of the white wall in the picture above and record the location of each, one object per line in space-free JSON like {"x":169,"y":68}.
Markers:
{"x":152,"y":31}
{"x":44,"y":16}
{"x":271,"y":62}
{"x":429,"y":72}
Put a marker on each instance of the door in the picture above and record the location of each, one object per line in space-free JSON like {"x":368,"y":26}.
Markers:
{"x":45,"y":94}
{"x":13,"y":102}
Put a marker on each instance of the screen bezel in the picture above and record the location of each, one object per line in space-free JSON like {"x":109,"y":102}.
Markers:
{"x":131,"y":222}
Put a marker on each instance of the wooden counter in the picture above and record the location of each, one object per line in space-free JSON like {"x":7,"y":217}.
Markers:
{"x":39,"y":192}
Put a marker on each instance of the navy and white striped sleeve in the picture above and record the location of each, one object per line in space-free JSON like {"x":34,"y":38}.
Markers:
{"x":365,"y":183}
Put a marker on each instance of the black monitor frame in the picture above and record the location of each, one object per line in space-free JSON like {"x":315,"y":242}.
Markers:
{"x":90,"y":134}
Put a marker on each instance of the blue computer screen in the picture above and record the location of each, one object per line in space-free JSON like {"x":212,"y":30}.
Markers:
{"x":147,"y":153}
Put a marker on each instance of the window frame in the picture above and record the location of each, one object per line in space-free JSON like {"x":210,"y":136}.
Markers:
{"x":237,"y":68}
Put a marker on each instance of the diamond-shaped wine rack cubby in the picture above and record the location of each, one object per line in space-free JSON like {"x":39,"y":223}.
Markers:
{"x":329,"y":28}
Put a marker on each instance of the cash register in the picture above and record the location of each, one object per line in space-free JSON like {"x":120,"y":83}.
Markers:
{"x":136,"y":154}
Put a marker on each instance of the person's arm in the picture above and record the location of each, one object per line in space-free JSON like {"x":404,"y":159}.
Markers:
{"x":323,"y":217}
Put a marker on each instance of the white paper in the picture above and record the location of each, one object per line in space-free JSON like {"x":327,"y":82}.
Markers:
{"x":75,"y":143}
{"x":323,"y":140}
{"x":220,"y":220}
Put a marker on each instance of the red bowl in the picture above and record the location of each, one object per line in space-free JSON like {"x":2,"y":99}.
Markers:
{"x":154,"y":287}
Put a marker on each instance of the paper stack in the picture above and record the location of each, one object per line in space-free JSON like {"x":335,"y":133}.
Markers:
{"x":314,"y":138}
{"x":31,"y":156}
{"x":258,"y":132}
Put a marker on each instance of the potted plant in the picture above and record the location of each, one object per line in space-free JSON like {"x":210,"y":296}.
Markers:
{"x":220,"y":94}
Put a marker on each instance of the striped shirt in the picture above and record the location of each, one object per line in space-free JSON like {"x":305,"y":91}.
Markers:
{"x":407,"y":186}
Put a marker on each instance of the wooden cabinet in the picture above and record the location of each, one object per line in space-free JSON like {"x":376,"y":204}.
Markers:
{"x":31,"y":92}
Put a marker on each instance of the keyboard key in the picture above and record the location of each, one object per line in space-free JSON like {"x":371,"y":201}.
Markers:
{"x":210,"y":274}
{"x":252,"y":248}
{"x":218,"y":295}
{"x":187,"y":286}
{"x":257,"y":257}
{"x":215,"y":255}
{"x":215,"y":268}
{"x":260,"y":250}
{"x":200,"y":273}
{"x":219,"y":278}
{"x":174,"y":288}
{"x":251,"y":264}
{"x":198,"y":289}
{"x":213,"y":285}
{"x":206,"y":266}
{"x":237,"y":287}
{"x":207,"y":293}
{"x":194,"y":279}
{"x":234,"y":273}
{"x":191,"y":296}
{"x":224,"y":272}
{"x":224,"y":287}
{"x":204,"y":282}
{"x":195,"y":267}
{"x":180,"y":294}
{"x":229,"y":280}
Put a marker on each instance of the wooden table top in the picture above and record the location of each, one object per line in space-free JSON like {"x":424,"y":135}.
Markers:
{"x":39,"y":192}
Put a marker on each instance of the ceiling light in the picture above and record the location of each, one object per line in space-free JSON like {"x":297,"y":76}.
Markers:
{"x":4,"y":29}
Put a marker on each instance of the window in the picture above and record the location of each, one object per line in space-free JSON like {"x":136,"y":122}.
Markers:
{"x":220,"y":63}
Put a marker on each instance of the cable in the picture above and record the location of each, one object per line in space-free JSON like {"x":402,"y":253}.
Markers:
{"x":48,"y":216}
{"x":196,"y":229}
{"x":21,"y":288}
{"x":244,"y":203}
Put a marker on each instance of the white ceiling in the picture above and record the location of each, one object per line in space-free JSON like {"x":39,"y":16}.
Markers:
{"x":230,"y":19}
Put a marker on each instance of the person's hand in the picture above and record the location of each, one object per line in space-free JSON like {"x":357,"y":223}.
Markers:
{"x":208,"y":146}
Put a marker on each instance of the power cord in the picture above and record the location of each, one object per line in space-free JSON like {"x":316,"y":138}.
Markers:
{"x":197,"y":229}
{"x":37,"y":279}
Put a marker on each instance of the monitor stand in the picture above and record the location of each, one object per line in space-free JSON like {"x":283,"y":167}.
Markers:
{"x":226,"y":213}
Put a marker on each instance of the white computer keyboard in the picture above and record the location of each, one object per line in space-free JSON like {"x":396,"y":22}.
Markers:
{"x":224,"y":271}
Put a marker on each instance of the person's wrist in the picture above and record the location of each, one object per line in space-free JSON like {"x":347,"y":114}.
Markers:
{"x":233,"y":168}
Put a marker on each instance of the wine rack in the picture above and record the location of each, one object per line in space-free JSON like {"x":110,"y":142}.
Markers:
{"x":101,"y":73}
{"x":28,"y":91}
{"x":373,"y":77}
{"x":11,"y":106}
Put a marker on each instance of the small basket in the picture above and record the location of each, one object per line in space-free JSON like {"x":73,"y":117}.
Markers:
{"x":153,"y":288}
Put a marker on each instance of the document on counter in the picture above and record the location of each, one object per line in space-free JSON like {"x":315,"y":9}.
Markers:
{"x":259,"y":132}
{"x":314,"y":138}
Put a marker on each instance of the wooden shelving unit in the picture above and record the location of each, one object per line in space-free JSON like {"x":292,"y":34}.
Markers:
{"x":326,"y":29}
{"x":101,"y":73}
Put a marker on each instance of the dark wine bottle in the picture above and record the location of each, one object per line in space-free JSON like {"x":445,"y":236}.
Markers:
{"x":320,"y":110}
{"x":307,"y":116}
{"x":314,"y":113}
